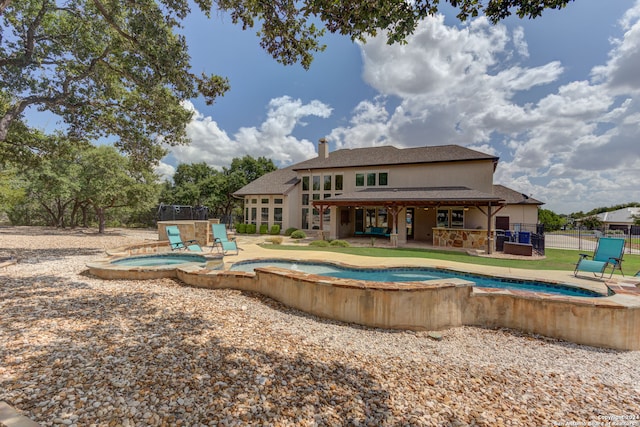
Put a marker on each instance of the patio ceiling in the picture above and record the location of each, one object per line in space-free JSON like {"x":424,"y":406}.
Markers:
{"x":424,"y":196}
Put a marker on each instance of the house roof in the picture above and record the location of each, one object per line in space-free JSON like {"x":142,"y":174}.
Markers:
{"x":280,"y":181}
{"x":416,"y":196}
{"x":624,"y":215}
{"x":513,"y":197}
{"x":390,"y":155}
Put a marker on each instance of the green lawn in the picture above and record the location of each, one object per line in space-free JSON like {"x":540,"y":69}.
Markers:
{"x":556,"y":259}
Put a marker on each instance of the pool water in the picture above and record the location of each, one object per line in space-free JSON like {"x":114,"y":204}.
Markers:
{"x":159,"y":260}
{"x":415,"y":274}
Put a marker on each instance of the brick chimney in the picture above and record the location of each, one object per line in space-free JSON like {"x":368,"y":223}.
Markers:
{"x":323,"y":148}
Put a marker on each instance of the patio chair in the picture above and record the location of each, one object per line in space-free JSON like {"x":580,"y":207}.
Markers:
{"x":221,"y":241}
{"x":176,"y":243}
{"x":608,"y":253}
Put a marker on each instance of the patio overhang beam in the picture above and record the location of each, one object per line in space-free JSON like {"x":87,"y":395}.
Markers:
{"x":404,"y":203}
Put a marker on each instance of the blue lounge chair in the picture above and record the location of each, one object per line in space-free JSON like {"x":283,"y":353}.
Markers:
{"x":221,"y":241}
{"x":608,"y":253}
{"x":176,"y":243}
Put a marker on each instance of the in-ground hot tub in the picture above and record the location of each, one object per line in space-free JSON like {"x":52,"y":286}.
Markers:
{"x":139,"y":264}
{"x":163,"y":259}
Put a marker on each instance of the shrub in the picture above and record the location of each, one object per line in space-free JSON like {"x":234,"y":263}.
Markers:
{"x":264,"y":228}
{"x":241,"y":228}
{"x":289,"y":231}
{"x":275,"y":240}
{"x":298,"y":234}
{"x":319,"y":243}
{"x":251,"y":229}
{"x":340,"y":243}
{"x":275,"y":229}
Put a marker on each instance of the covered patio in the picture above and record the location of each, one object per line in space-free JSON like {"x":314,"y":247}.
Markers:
{"x":444,"y":216}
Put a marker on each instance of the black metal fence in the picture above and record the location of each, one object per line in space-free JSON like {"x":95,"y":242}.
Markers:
{"x":527,"y":234}
{"x":586,"y":240}
{"x":179,"y":212}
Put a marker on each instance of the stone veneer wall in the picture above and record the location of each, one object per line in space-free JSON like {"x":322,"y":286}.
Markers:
{"x":199,"y":230}
{"x":460,"y":238}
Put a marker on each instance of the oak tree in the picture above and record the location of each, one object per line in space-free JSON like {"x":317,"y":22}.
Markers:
{"x":120,"y":69}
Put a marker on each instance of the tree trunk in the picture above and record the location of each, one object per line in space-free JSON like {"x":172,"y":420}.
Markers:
{"x":85,"y":216}
{"x":74,"y":215}
{"x":101,"y":220}
{"x":61,"y":209}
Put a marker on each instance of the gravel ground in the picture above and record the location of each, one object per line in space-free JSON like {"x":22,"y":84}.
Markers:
{"x":77,"y":350}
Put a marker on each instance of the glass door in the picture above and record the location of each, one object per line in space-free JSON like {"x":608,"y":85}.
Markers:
{"x":409,"y":221}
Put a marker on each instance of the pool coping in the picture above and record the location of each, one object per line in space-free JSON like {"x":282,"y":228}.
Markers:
{"x":106,"y":269}
{"x":602,"y":293}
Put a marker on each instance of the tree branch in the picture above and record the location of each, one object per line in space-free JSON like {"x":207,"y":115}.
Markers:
{"x":3,"y":5}
{"x":103,"y":10}
{"x":29,"y":44}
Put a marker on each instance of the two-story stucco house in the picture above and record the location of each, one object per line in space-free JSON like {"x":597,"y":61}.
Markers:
{"x":442,"y":195}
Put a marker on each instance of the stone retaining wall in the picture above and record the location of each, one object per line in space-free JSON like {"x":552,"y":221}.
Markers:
{"x":601,"y":322}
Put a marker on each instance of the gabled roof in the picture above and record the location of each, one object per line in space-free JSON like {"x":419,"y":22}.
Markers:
{"x":624,"y":215}
{"x":280,"y":181}
{"x":390,"y":155}
{"x":513,"y":197}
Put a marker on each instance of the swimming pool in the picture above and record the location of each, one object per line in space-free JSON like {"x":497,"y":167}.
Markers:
{"x":413,"y":274}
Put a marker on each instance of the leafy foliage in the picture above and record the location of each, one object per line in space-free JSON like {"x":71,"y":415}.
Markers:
{"x":592,"y":223}
{"x":105,"y":67}
{"x":200,"y":184}
{"x":551,"y":220}
{"x":71,"y":181}
{"x":12,"y":189}
{"x":289,"y":231}
{"x":112,"y":68}
{"x":298,"y":234}
{"x":275,"y":229}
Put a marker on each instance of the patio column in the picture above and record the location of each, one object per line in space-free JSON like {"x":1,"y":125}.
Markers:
{"x":489,"y":216}
{"x":489,"y":240}
{"x":394,"y":210}
{"x":321,"y":208}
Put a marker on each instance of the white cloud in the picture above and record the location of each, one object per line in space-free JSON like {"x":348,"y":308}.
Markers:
{"x":576,"y":144}
{"x":621,"y":71}
{"x":273,"y":139}
{"x":520,"y":43}
{"x":571,"y":144}
{"x":165,"y":171}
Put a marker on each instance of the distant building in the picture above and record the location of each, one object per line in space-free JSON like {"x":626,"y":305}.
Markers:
{"x":622,"y":219}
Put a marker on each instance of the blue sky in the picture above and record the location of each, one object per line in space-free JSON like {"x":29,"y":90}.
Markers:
{"x":556,"y":98}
